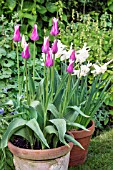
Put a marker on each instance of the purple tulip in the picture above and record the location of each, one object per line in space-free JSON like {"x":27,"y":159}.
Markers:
{"x":16,"y":36}
{"x":72,"y":56}
{"x":45,"y":47}
{"x":34,"y":35}
{"x":26,"y":53}
{"x":70,"y":67}
{"x":1,"y":111}
{"x":54,"y":31}
{"x":49,"y":61}
{"x":54,"y":47}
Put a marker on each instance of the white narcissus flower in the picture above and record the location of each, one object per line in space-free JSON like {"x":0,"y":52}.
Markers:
{"x":99,"y":69}
{"x":62,"y":53}
{"x":82,"y":54}
{"x":76,"y":73}
{"x":84,"y":70}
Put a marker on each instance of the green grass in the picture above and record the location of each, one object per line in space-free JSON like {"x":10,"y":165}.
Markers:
{"x":100,"y":155}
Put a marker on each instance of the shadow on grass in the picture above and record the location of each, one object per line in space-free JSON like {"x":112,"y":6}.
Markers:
{"x":100,"y":155}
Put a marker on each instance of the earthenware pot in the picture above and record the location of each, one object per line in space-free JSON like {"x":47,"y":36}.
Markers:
{"x":47,"y":159}
{"x":78,"y":155}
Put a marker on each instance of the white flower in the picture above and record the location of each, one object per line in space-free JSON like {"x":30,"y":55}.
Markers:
{"x":99,"y":69}
{"x":61,"y":49}
{"x":23,"y":42}
{"x":84,"y":70}
{"x":62,"y":52}
{"x":76,"y":73}
{"x":82,"y":54}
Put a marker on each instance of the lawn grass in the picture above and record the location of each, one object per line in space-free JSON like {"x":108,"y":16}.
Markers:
{"x":100,"y":155}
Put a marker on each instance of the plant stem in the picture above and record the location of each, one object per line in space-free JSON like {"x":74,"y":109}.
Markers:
{"x":52,"y":74}
{"x":26,"y":82}
{"x":18,"y":70}
{"x":66,"y":94}
{"x":34,"y":57}
{"x":44,"y":80}
{"x":46,"y":102}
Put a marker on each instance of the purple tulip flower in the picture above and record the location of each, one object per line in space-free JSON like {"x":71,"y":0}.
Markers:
{"x":34,"y":35}
{"x":49,"y":61}
{"x":72,"y":56}
{"x":45,"y":47}
{"x":26,"y":53}
{"x":70,"y":68}
{"x":54,"y":31}
{"x":16,"y":36}
{"x":54,"y":47}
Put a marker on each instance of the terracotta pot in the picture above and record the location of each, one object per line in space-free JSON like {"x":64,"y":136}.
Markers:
{"x":78,"y":155}
{"x":47,"y":159}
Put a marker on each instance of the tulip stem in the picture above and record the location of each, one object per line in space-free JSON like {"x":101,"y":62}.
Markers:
{"x":53,"y":74}
{"x":18,"y":69}
{"x":26,"y":81}
{"x":66,"y":94}
{"x":34,"y":62}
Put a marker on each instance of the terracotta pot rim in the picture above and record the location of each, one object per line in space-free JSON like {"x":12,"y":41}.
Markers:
{"x":40,"y":154}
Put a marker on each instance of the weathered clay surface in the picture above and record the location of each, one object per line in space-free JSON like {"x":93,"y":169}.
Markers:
{"x":56,"y":164}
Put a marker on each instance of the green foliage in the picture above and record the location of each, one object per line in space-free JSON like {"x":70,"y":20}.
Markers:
{"x":97,"y":32}
{"x":102,"y":117}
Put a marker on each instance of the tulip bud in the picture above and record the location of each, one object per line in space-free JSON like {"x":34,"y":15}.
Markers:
{"x":70,"y":67}
{"x":34,"y":35}
{"x":72,"y":56}
{"x":26,"y":53}
{"x":49,"y":61}
{"x":54,"y":47}
{"x":54,"y":31}
{"x":23,"y":42}
{"x":45,"y":47}
{"x":16,"y":36}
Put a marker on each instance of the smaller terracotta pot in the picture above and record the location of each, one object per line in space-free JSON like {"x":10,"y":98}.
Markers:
{"x":47,"y":159}
{"x":78,"y":155}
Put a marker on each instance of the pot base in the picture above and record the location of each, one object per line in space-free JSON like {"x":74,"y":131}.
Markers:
{"x":56,"y":164}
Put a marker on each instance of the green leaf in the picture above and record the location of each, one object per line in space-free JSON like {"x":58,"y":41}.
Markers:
{"x":34,"y":126}
{"x":7,"y":63}
{"x":2,"y":52}
{"x":71,"y":115}
{"x":14,"y":126}
{"x":77,"y":125}
{"x":60,"y":124}
{"x":40,"y":1}
{"x":53,"y":110}
{"x":41,"y":9}
{"x":78,"y":110}
{"x":71,"y":139}
{"x":31,"y":86}
{"x":11,"y":55}
{"x":33,"y":112}
{"x":50,"y":130}
{"x":51,"y":7}
{"x":64,"y":17}
{"x":11,"y":4}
